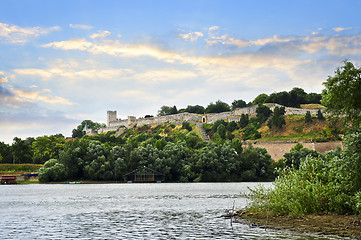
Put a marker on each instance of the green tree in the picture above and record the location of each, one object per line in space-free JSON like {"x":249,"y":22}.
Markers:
{"x":238,"y":104}
{"x":243,"y":122}
{"x":217,"y":107}
{"x":260,"y":99}
{"x":342,"y":94}
{"x":53,"y":171}
{"x":308,"y":117}
{"x":79,"y":131}
{"x":5,"y":151}
{"x":22,"y":151}
{"x":47,"y":147}
{"x":195,"y":109}
{"x":167,"y":110}
{"x":278,"y":118}
{"x":187,"y":125}
{"x":263,"y":112}
{"x":297,"y":97}
{"x":320,"y":115}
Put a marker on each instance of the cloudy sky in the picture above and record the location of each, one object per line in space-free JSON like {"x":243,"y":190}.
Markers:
{"x":66,"y":61}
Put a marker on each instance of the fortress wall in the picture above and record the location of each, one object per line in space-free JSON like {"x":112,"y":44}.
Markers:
{"x":277,"y":150}
{"x":213,"y":117}
{"x":118,"y":123}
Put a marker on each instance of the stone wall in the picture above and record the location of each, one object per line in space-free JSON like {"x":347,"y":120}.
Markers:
{"x":113,"y":123}
{"x":277,"y":149}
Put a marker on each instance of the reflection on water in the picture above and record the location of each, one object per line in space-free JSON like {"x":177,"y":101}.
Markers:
{"x":128,"y":211}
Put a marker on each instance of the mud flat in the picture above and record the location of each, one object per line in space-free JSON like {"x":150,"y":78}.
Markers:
{"x":327,"y":223}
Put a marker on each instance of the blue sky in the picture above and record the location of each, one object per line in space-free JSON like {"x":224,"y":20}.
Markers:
{"x":66,"y":61}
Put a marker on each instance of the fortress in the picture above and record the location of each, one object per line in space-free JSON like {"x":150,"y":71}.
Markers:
{"x":120,"y":125}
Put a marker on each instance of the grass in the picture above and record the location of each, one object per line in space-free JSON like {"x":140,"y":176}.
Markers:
{"x":20,"y":167}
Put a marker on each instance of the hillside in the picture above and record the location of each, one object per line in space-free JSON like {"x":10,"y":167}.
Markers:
{"x":296,"y":128}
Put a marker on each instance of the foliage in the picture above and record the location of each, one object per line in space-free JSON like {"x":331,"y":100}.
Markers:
{"x":278,"y":118}
{"x":167,"y":110}
{"x":5,"y":151}
{"x":323,"y":183}
{"x":187,"y":125}
{"x":22,"y":151}
{"x":244,"y":120}
{"x":53,"y":171}
{"x":263,"y":112}
{"x":260,"y":99}
{"x":195,"y":109}
{"x":79,"y":131}
{"x":238,"y":104}
{"x":320,"y":115}
{"x":217,"y":107}
{"x":47,"y":147}
{"x":342,"y":94}
{"x":308,"y":117}
{"x":251,"y":131}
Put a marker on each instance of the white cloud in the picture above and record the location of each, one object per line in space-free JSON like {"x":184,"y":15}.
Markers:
{"x":213,"y":28}
{"x":70,"y":73}
{"x":74,"y":44}
{"x":81,"y":26}
{"x":103,"y":34}
{"x":193,"y":36}
{"x":170,"y":75}
{"x":18,"y":35}
{"x":340,"y":29}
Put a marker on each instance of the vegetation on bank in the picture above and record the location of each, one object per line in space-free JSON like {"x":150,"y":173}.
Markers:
{"x":323,"y":183}
{"x":9,"y":168}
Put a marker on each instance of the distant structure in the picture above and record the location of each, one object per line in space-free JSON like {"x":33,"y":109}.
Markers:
{"x":121,"y":125}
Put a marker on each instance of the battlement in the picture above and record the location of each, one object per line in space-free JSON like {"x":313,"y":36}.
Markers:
{"x":113,"y":123}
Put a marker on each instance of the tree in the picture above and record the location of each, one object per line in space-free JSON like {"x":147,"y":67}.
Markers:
{"x":263,"y":112}
{"x":297,"y":96}
{"x":195,"y":109}
{"x":53,"y":171}
{"x":79,"y":130}
{"x":167,"y":110}
{"x":5,"y":151}
{"x":308,"y":117}
{"x":342,"y":94}
{"x":47,"y":147}
{"x":21,"y":150}
{"x":218,"y":107}
{"x":320,"y":115}
{"x":260,"y":99}
{"x":278,"y":118}
{"x":238,"y":104}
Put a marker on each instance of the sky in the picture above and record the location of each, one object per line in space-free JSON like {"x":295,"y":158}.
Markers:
{"x":63,"y":62}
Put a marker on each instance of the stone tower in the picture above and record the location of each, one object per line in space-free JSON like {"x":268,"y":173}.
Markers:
{"x":111,"y":116}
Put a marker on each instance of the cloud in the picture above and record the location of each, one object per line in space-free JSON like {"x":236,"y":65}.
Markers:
{"x":103,"y":34}
{"x":170,"y":75}
{"x":340,"y":29}
{"x":213,"y":28}
{"x":81,"y":26}
{"x":18,"y":35}
{"x":74,"y":44}
{"x":68,"y":72}
{"x":3,"y":80}
{"x":193,"y":36}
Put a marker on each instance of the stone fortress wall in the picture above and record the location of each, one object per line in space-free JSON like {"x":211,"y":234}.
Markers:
{"x":113,"y":123}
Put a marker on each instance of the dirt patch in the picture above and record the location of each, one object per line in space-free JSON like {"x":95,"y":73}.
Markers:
{"x":328,"y":223}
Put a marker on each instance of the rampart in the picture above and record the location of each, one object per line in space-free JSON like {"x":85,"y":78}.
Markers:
{"x":113,"y":123}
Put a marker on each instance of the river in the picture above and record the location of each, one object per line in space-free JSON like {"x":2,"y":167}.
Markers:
{"x":129,"y":211}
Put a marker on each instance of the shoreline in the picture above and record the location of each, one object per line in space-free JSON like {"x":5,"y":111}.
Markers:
{"x":324,"y":223}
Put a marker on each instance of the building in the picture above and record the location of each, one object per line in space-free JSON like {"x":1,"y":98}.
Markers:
{"x":144,"y":175}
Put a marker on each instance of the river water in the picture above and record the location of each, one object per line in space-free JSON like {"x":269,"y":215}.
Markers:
{"x":129,"y":211}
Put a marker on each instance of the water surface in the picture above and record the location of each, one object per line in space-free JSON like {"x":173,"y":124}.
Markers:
{"x":129,"y":211}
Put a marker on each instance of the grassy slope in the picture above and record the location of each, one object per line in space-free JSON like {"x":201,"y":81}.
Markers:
{"x":296,"y":128}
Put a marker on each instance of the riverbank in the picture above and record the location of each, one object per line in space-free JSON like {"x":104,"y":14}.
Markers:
{"x":327,"y":223}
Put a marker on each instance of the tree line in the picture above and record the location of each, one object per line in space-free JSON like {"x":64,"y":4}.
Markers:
{"x":293,"y":98}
